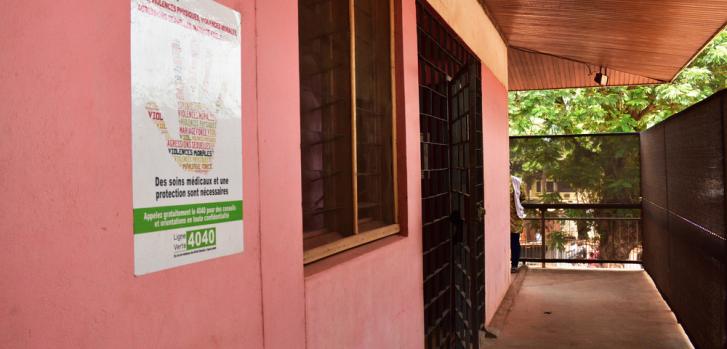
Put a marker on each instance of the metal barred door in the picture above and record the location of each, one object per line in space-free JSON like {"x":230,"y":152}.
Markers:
{"x":466,"y":202}
{"x":451,"y":153}
{"x":436,"y":225}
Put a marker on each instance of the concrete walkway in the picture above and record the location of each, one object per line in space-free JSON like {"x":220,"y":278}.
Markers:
{"x":590,"y":309}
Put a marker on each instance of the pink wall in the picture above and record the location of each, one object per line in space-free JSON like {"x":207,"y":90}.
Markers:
{"x":371,"y":297}
{"x":497,"y":180}
{"x":67,"y":275}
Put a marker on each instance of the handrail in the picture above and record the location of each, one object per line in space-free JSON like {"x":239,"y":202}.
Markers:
{"x":584,"y":219}
{"x":580,"y":206}
{"x":578,"y":135}
{"x":543,"y":207}
{"x":579,"y":261}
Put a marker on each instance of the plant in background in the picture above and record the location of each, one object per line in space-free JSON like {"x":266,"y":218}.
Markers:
{"x":556,"y":241}
{"x":551,"y":198}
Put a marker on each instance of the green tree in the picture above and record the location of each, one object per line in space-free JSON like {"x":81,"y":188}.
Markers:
{"x":597,"y":169}
{"x":556,"y":241}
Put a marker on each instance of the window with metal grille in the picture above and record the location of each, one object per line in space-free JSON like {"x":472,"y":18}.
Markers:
{"x":347,"y":124}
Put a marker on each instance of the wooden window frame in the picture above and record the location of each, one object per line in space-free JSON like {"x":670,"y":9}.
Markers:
{"x":364,"y":237}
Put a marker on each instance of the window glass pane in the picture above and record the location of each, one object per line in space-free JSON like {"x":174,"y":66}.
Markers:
{"x":373,"y":114}
{"x":325,"y":103}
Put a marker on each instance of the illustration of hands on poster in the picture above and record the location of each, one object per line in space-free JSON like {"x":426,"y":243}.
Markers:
{"x":186,"y":132}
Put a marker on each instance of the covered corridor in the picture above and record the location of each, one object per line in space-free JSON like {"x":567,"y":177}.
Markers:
{"x":315,"y":174}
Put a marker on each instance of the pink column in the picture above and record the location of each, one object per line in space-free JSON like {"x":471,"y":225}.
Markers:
{"x":280,"y":182}
{"x":497,"y":180}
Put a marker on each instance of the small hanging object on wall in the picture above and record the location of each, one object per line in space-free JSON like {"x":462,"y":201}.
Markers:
{"x":601,"y":77}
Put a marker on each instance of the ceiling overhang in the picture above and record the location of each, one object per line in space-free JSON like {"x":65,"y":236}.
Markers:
{"x":563,"y":43}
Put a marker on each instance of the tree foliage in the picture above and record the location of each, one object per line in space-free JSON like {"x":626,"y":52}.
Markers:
{"x":598,"y":169}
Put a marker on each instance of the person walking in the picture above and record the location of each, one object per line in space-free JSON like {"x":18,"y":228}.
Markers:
{"x":517,"y":213}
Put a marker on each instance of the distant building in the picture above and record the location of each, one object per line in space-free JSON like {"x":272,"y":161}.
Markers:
{"x":539,"y":188}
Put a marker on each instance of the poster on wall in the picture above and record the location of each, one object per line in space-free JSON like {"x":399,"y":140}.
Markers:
{"x":186,"y":118}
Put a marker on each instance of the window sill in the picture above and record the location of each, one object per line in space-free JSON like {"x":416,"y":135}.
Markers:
{"x":318,"y":253}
